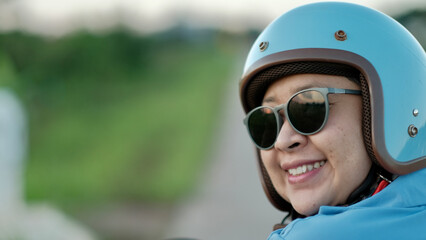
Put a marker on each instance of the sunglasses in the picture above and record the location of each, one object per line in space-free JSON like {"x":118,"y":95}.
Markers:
{"x":306,"y":111}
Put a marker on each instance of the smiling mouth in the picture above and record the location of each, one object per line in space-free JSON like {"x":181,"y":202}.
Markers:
{"x":305,"y":168}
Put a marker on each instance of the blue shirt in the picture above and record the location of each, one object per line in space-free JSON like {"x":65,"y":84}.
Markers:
{"x":397,"y":212}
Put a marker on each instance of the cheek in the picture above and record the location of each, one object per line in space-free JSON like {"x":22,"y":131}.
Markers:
{"x":343,"y":145}
{"x":343,"y":132}
{"x":269,"y":161}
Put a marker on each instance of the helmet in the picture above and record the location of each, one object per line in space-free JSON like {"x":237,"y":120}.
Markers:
{"x":392,"y":67}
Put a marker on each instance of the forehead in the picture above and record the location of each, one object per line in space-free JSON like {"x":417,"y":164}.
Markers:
{"x":285,"y":87}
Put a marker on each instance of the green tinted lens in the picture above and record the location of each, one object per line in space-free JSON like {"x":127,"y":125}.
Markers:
{"x":262,"y":125}
{"x":307,"y":111}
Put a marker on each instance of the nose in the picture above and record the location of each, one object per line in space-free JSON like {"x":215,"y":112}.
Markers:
{"x":289,"y":140}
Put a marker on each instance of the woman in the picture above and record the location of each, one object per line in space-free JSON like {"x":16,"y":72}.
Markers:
{"x":335,"y":101}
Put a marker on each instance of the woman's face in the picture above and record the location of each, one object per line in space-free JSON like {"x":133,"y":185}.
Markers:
{"x":336,"y":156}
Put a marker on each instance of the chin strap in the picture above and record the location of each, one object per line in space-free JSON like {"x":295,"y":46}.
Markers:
{"x":366,"y":187}
{"x":384,"y":183}
{"x":381,"y":186}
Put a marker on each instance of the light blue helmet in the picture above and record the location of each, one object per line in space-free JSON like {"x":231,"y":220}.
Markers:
{"x":390,"y":59}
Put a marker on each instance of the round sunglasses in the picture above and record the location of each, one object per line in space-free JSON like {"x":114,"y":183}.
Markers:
{"x":306,"y":111}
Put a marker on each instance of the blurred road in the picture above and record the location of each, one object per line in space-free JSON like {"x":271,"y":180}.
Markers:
{"x":230,"y":203}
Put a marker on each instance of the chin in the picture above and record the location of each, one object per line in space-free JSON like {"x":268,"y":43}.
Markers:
{"x":307,"y":210}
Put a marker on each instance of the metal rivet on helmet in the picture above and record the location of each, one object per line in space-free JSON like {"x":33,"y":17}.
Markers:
{"x":415,"y":112}
{"x":340,"y":35}
{"x":263,"y":46}
{"x":412,"y":131}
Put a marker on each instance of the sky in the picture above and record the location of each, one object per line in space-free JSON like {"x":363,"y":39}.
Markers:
{"x":59,"y":17}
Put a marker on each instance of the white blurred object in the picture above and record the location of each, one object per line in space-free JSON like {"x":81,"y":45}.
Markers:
{"x":17,"y":220}
{"x":13,"y":145}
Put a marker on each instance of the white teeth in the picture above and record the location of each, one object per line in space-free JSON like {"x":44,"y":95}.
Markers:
{"x":316,"y":165}
{"x":306,"y":168}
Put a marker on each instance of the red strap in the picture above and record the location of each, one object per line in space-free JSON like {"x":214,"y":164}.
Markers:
{"x":381,"y":186}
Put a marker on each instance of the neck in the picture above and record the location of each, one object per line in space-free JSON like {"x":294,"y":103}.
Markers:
{"x":369,"y":185}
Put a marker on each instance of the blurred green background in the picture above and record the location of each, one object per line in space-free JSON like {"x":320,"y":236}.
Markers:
{"x":120,"y":117}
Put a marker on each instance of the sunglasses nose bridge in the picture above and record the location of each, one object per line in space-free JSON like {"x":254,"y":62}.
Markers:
{"x":281,"y":113}
{"x":280,"y":109}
